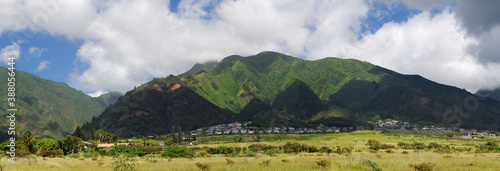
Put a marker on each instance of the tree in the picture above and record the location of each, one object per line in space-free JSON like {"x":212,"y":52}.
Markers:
{"x":79,"y":133}
{"x":103,"y":136}
{"x":71,"y":144}
{"x":173,"y":135}
{"x":29,"y":140}
{"x":180,"y":133}
{"x":92,"y":132}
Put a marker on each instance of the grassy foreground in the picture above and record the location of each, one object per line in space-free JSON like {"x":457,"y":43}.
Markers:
{"x":361,"y":157}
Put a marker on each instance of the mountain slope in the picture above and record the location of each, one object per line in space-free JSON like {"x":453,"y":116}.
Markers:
{"x":494,"y":94}
{"x":199,"y":67}
{"x":106,"y":99}
{"x":45,"y":107}
{"x":278,"y":90}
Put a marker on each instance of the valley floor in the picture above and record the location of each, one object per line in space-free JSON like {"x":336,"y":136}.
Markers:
{"x":361,"y":157}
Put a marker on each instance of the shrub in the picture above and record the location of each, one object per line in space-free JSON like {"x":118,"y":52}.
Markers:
{"x":229,"y":161}
{"x":266,"y":162}
{"x":370,"y":164}
{"x":285,"y":161}
{"x":202,"y":154}
{"x":323,"y":163}
{"x":271,"y":153}
{"x":140,"y":153}
{"x":74,"y":155}
{"x":203,"y":166}
{"x":177,"y":152}
{"x":376,"y":145}
{"x":405,"y":152}
{"x":50,"y":153}
{"x":423,"y":166}
{"x":123,"y":163}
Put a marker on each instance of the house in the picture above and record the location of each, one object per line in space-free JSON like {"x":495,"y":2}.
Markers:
{"x":227,"y":131}
{"x":105,"y":146}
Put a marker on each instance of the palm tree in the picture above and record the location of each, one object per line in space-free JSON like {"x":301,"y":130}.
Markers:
{"x":29,"y":140}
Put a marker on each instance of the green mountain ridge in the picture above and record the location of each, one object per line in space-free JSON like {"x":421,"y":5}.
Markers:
{"x":106,"y":99}
{"x":293,"y":91}
{"x":46,"y":108}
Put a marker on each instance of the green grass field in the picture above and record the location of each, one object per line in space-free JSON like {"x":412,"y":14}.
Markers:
{"x":361,"y":158}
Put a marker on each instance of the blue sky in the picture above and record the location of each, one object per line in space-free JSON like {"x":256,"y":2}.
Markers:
{"x":126,"y":43}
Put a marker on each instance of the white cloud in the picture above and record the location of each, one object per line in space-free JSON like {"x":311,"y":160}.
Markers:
{"x":10,"y":51}
{"x":36,"y":52}
{"x":44,"y":64}
{"x":97,"y":93}
{"x":434,"y":47}
{"x":128,"y":42}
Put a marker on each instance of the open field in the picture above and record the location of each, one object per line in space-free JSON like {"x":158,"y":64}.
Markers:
{"x":361,"y":157}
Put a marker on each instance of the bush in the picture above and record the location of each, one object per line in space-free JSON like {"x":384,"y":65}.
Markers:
{"x":323,"y":163}
{"x":141,"y":153}
{"x":177,"y":152}
{"x":229,"y":161}
{"x":123,"y":163}
{"x":74,"y":155}
{"x":371,"y":165}
{"x":423,"y":166}
{"x":376,"y":145}
{"x":266,"y":162}
{"x":203,"y":166}
{"x":50,"y":153}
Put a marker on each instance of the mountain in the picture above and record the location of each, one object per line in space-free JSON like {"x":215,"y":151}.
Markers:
{"x":494,"y":94}
{"x":272,"y":89}
{"x":46,"y":108}
{"x":199,"y":67}
{"x":106,"y":99}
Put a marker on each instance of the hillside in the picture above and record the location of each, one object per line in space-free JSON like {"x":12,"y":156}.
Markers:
{"x":106,"y":99}
{"x":47,"y":108}
{"x":199,"y":67}
{"x":273,"y":89}
{"x":494,"y":94}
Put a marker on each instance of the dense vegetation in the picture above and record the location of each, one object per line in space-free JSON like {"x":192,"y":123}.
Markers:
{"x":45,"y":107}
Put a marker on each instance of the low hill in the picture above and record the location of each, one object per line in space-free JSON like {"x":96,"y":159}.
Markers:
{"x":47,"y":108}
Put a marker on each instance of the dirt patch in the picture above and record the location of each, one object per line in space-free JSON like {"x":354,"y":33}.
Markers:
{"x":174,"y":87}
{"x":138,"y":113}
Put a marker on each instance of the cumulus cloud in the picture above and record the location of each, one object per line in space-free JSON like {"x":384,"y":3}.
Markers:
{"x":36,"y":52}
{"x":481,"y":20}
{"x":126,"y":43}
{"x":44,"y":64}
{"x":10,"y":51}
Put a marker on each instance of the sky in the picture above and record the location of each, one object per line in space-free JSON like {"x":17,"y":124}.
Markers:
{"x":113,"y":45}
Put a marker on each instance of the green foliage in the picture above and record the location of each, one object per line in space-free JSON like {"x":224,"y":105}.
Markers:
{"x":51,"y":109}
{"x":71,"y":144}
{"x":376,"y":145}
{"x":371,"y":165}
{"x":79,"y":133}
{"x":29,"y":140}
{"x":47,"y":144}
{"x":178,"y":152}
{"x":266,"y":163}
